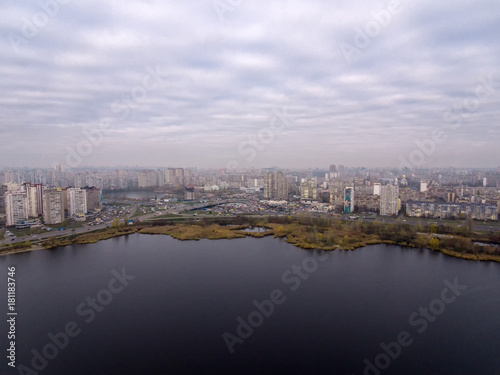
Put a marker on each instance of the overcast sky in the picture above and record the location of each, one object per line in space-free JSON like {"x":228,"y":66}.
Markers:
{"x":233,"y":83}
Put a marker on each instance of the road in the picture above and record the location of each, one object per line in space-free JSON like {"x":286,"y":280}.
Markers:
{"x":67,"y":232}
{"x":478,"y":226}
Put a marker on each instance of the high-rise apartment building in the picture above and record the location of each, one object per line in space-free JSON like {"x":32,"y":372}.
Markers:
{"x":3,"y":190}
{"x":275,"y":186}
{"x":349,"y":200}
{"x":189,"y":193}
{"x":39,"y":198}
{"x":77,"y":201}
{"x":309,"y":190}
{"x":53,"y":206}
{"x":10,"y":176}
{"x":147,"y":178}
{"x":389,"y":196}
{"x":32,"y":194}
{"x":16,"y":207}
{"x":423,"y":186}
{"x":94,"y":199}
{"x":174,"y":176}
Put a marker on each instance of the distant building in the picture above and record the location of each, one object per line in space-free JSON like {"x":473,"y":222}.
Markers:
{"x":77,"y":202}
{"x":16,"y":207}
{"x":275,"y":186}
{"x":452,"y":210}
{"x":10,"y":176}
{"x":349,"y":200}
{"x":39,"y":197}
{"x":188,"y":177}
{"x":174,"y":176}
{"x":337,"y":195}
{"x":53,"y":206}
{"x":3,"y":190}
{"x":94,"y":199}
{"x":389,"y":197}
{"x":147,"y":178}
{"x":309,"y":190}
{"x":33,"y":193}
{"x":376,"y":189}
{"x":189,"y":193}
{"x":423,"y":186}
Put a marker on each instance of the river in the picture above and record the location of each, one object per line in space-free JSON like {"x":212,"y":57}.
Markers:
{"x":146,"y":304}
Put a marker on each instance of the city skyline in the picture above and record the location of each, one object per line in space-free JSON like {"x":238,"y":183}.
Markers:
{"x":221,"y":84}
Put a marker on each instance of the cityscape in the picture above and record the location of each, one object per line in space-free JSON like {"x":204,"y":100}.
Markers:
{"x":250,"y":187}
{"x":38,"y":197}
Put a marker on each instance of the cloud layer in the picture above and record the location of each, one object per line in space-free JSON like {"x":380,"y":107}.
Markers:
{"x":361,"y":82}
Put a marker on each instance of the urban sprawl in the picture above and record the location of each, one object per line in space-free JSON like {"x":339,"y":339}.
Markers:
{"x":39,"y":198}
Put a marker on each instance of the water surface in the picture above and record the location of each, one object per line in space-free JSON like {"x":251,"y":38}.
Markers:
{"x":170,"y":319}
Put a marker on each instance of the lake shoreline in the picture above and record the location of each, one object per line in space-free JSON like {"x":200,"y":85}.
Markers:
{"x":193,"y":232}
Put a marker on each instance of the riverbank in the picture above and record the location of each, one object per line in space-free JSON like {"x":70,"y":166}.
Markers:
{"x":329,"y":237}
{"x":23,"y":250}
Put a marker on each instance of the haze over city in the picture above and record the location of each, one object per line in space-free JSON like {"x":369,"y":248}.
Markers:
{"x":250,"y":187}
{"x":195,"y":83}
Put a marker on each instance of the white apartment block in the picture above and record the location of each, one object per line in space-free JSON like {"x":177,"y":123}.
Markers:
{"x":32,"y":194}
{"x":53,"y":207}
{"x":389,"y":195}
{"x":77,"y":201}
{"x":16,"y":207}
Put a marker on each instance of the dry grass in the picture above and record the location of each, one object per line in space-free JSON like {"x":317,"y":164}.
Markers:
{"x":194,"y":232}
{"x":345,"y":237}
{"x":99,"y":236}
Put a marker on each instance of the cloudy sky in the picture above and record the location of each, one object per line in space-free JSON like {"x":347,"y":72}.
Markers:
{"x":240,"y":83}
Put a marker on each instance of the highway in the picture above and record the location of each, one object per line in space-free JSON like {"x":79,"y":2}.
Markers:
{"x":67,"y":232}
{"x":477,"y":226}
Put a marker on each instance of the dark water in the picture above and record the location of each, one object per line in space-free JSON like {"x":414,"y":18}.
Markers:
{"x":170,"y":319}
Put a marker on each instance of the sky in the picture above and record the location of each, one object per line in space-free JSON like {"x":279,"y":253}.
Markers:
{"x":240,"y":83}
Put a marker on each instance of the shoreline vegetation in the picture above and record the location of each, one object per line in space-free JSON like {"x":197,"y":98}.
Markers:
{"x":305,"y":232}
